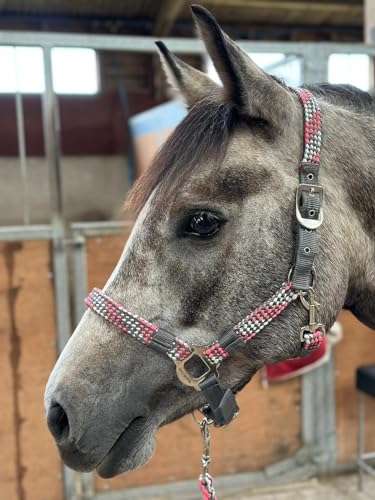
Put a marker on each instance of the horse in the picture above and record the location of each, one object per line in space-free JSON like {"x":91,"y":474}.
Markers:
{"x":215,"y":235}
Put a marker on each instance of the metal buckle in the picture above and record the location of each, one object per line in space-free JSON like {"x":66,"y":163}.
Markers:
{"x":187,"y":378}
{"x":312,"y":189}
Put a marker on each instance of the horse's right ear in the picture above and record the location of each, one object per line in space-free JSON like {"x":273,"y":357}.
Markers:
{"x":254,"y":92}
{"x":191,"y":83}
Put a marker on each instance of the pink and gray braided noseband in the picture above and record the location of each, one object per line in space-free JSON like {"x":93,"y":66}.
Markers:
{"x":222,"y":406}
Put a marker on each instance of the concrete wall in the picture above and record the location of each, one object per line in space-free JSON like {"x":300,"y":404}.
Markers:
{"x":94,"y":188}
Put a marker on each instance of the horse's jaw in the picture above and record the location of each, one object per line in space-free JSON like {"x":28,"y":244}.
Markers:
{"x":134,"y":448}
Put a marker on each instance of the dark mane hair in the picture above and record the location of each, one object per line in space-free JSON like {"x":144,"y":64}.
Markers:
{"x":204,"y":133}
{"x":346,"y":96}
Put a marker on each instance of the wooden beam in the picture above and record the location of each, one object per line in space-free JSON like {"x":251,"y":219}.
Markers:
{"x":167,"y":16}
{"x":306,"y":7}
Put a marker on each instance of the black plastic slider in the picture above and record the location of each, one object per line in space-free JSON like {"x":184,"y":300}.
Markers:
{"x":222,"y":407}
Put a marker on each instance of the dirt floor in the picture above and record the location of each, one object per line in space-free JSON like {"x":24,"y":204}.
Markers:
{"x":336,"y":488}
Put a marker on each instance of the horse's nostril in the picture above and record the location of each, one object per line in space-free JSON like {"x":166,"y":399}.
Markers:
{"x":58,"y":422}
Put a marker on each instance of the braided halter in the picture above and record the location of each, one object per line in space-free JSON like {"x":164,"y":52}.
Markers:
{"x":222,"y":407}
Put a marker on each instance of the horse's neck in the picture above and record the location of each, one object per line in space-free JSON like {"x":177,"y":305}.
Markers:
{"x":357,"y":166}
{"x":361,"y":291}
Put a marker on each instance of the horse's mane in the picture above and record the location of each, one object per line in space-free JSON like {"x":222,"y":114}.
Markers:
{"x":204,"y":133}
{"x":346,"y":96}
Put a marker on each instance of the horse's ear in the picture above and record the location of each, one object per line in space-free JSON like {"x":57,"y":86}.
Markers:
{"x":191,"y":83}
{"x":254,"y":92}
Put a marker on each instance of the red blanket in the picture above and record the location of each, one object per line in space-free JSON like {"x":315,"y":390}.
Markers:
{"x":294,"y":367}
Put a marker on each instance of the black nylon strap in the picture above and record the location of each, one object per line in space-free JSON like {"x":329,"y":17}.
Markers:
{"x":231,"y":341}
{"x":163,"y":341}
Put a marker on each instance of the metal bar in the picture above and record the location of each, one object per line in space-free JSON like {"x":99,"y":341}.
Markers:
{"x":361,"y":436}
{"x":80,"y":276}
{"x":52,"y":150}
{"x":46,"y":232}
{"x":226,"y":484}
{"x":19,"y":233}
{"x":326,"y":429}
{"x":21,"y":145}
{"x":307,"y":409}
{"x":229,"y":486}
{"x":97,"y":229}
{"x":269,"y":68}
{"x":84,"y":482}
{"x":366,"y":467}
{"x":22,"y":157}
{"x":318,"y":414}
{"x":129,"y":155}
{"x":52,"y":143}
{"x":146,"y":44}
{"x":60,"y":263}
{"x":315,"y":63}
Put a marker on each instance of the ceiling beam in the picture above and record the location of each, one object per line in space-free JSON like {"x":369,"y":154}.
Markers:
{"x":167,"y":16}
{"x":306,"y":7}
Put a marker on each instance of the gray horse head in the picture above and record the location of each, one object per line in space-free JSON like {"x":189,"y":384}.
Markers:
{"x":214,"y":237}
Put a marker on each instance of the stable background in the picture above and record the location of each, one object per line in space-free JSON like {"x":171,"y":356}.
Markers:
{"x":66,"y":164}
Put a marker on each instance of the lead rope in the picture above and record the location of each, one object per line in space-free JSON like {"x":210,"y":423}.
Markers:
{"x":205,"y":481}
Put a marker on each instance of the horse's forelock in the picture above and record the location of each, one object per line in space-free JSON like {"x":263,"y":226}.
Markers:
{"x":204,"y":133}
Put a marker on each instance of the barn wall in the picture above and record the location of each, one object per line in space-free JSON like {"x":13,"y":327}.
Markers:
{"x":90,"y":125}
{"x":94,"y":188}
{"x":29,"y":465}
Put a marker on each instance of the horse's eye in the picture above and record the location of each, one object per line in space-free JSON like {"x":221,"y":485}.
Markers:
{"x":202,"y":224}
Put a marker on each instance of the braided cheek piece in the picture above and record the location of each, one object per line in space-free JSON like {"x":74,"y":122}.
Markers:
{"x":255,"y":321}
{"x":313,"y":132}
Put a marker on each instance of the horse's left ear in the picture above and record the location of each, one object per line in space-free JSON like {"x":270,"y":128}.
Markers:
{"x":192,"y":84}
{"x":254,"y":92}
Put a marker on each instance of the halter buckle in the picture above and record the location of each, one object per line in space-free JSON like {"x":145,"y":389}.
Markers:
{"x":186,"y":377}
{"x":311,"y":189}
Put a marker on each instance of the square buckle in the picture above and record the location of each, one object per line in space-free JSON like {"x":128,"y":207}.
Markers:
{"x":187,"y":377}
{"x":311,"y":189}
